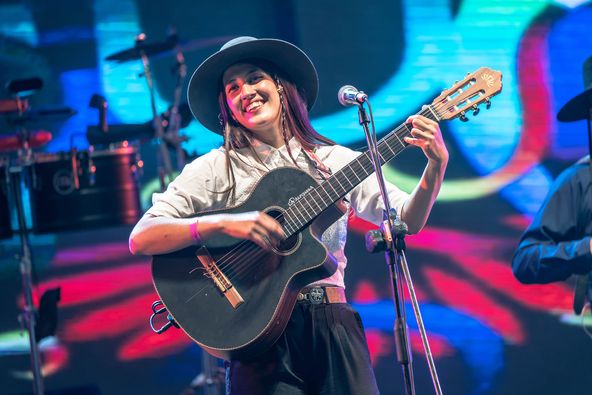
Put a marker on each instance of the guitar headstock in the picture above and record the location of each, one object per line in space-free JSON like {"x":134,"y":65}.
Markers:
{"x":466,"y":95}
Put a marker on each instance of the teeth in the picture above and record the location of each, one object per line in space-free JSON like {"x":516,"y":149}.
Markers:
{"x":254,"y":105}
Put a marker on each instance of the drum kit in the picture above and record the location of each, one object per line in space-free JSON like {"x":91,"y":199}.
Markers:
{"x":86,"y":189}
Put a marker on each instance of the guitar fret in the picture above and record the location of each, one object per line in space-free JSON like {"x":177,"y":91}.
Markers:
{"x":388,"y":147}
{"x":337,"y":179}
{"x":321,"y":196}
{"x":355,"y":173}
{"x":360,"y":166}
{"x":315,"y":202}
{"x":299,"y":224}
{"x":305,"y":200}
{"x":382,"y":161}
{"x":331,"y":185}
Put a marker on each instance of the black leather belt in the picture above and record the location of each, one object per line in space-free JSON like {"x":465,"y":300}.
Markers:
{"x":318,"y":295}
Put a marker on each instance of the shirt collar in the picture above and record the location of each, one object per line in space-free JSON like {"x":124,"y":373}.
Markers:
{"x":265,"y":150}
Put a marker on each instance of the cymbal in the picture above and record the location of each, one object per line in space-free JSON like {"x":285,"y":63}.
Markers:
{"x":150,"y":49}
{"x":63,"y":112}
{"x":164,"y":48}
{"x":14,"y":142}
{"x":32,"y":115}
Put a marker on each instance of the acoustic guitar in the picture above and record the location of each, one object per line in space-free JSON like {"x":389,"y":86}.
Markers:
{"x":232,"y":297}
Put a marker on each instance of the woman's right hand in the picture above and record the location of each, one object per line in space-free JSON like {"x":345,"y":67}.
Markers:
{"x":256,"y":226}
{"x":161,"y":235}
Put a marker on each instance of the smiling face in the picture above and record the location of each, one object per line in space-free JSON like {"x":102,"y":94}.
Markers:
{"x":254,"y":102}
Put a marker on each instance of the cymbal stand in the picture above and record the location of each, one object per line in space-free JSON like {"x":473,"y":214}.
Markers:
{"x":28,"y":316}
{"x":175,"y":118}
{"x":211,"y":379}
{"x":165,"y":170}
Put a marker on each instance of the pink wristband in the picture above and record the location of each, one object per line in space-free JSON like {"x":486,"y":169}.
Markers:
{"x":194,"y":233}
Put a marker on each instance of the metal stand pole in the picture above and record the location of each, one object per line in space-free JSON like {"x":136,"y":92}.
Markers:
{"x":394,"y":236}
{"x":175,"y":118}
{"x":398,"y":231}
{"x":165,"y":170}
{"x":400,"y":330}
{"x":25,"y":267}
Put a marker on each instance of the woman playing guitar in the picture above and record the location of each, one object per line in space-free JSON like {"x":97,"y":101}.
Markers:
{"x":257,"y":94}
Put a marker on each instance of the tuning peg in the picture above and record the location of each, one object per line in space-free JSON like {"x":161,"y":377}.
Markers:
{"x":476,"y":110}
{"x":463,"y":117}
{"x":488,"y":104}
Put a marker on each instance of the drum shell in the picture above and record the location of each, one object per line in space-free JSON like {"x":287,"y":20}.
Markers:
{"x":111,"y":199}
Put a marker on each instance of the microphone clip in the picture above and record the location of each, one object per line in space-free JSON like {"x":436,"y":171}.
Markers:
{"x":349,"y":95}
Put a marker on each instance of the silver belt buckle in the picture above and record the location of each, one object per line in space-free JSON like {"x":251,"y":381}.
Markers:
{"x":316,"y":295}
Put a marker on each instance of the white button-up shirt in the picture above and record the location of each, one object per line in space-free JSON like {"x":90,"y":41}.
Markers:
{"x":201,"y":182}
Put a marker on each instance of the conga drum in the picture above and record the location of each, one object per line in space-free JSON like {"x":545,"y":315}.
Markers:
{"x":84,"y":190}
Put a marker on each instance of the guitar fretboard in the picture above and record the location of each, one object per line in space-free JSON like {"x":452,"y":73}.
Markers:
{"x":313,"y":202}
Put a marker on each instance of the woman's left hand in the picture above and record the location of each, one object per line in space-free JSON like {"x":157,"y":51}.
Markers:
{"x":426,"y":135}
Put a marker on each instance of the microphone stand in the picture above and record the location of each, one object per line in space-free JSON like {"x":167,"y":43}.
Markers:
{"x":400,"y":329}
{"x":394,"y":236}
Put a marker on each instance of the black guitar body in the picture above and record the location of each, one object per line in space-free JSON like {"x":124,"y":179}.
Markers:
{"x":268,"y":282}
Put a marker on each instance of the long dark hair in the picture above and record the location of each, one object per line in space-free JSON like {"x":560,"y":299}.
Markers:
{"x":295,"y":120}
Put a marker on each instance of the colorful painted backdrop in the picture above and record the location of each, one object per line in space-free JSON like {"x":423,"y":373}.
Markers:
{"x":489,"y":334}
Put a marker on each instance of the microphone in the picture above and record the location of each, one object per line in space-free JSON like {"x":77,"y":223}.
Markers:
{"x":100,"y":103}
{"x":349,"y":96}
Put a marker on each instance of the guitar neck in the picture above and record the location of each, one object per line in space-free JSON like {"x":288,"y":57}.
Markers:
{"x":317,"y":199}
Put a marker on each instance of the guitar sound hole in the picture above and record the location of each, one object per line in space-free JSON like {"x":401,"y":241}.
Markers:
{"x":287,"y":246}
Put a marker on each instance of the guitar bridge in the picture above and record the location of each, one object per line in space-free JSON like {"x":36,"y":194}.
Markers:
{"x":219,"y":278}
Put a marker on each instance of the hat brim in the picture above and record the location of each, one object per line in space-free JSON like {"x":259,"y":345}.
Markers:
{"x":577,"y":108}
{"x":205,"y":83}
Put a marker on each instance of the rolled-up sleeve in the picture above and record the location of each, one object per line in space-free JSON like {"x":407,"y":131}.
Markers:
{"x":198,"y":187}
{"x":367,"y":200}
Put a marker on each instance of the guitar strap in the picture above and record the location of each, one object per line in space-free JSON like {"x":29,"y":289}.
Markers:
{"x":323,"y":170}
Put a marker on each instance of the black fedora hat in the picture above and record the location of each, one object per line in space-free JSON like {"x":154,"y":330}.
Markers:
{"x":205,"y":83}
{"x":579,"y":106}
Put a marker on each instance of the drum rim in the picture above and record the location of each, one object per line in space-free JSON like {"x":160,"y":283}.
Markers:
{"x":47,"y":157}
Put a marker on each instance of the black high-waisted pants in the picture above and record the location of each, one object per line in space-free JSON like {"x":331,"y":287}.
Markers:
{"x":322,"y":351}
